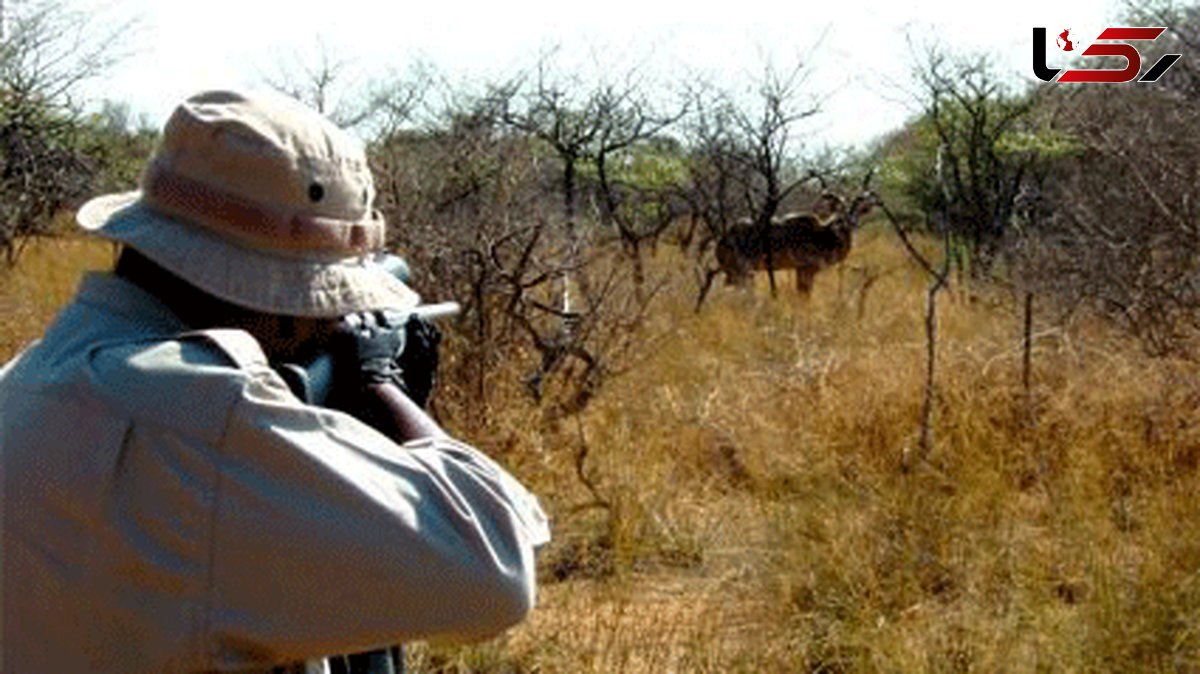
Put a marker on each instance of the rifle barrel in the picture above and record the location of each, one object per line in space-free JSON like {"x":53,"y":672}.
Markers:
{"x":433,"y":312}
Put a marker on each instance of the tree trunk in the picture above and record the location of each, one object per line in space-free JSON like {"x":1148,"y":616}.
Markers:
{"x":1027,"y":360}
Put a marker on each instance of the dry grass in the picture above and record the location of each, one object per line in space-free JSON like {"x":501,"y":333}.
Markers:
{"x":43,"y":280}
{"x":760,"y":520}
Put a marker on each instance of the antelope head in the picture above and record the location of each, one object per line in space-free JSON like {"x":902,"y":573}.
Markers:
{"x":835,"y":212}
{"x":860,"y":206}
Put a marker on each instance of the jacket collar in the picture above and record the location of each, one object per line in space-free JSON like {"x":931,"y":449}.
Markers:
{"x":119,"y":298}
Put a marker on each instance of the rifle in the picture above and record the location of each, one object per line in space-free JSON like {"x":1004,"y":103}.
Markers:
{"x":312,"y":381}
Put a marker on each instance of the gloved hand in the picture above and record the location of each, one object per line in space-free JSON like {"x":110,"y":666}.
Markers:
{"x":418,"y":360}
{"x":382,"y":347}
{"x":367,"y":347}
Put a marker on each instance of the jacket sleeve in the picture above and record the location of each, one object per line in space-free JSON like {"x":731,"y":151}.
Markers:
{"x":328,"y":537}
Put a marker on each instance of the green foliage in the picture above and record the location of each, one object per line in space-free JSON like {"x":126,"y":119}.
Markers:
{"x":1046,"y":144}
{"x":119,"y":148}
{"x":910,"y":163}
{"x":52,"y":158}
{"x":649,"y":166}
{"x":42,"y":167}
{"x":963,"y":164}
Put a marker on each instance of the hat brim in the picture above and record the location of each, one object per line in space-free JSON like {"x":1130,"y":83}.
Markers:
{"x":310,"y":286}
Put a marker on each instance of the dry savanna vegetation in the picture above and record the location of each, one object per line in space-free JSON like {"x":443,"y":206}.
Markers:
{"x":944,"y":421}
{"x":758,"y":518}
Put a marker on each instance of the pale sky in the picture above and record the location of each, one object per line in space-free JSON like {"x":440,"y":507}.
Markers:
{"x":857,"y":66}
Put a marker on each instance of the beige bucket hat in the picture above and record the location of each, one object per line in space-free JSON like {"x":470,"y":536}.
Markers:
{"x":262,"y":202}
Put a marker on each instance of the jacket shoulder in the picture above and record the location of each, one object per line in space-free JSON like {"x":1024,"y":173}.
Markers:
{"x":236,"y":346}
{"x":186,"y":383}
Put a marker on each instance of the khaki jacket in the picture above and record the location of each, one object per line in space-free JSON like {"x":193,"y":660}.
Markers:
{"x":169,"y":506}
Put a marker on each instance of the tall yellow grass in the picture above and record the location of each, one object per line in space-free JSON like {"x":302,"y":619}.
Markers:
{"x":759,"y":517}
{"x":44,"y":279}
{"x":763,"y":521}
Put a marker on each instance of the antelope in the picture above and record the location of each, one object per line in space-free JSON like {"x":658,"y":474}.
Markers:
{"x":805,"y":242}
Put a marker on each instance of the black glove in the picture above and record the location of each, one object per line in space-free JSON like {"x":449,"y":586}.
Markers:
{"x":367,"y":347}
{"x":365,"y":350}
{"x":418,"y":361}
{"x":383,"y":347}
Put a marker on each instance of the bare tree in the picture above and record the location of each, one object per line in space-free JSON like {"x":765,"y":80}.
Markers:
{"x":338,"y":89}
{"x":714,"y":170}
{"x":1182,"y":20}
{"x":974,"y":152}
{"x":50,"y":49}
{"x":478,"y":209}
{"x":744,"y":158}
{"x":627,"y":121}
{"x":1122,"y":231}
{"x":974,"y":165}
{"x":767,"y":134}
{"x":451,"y":186}
{"x":584,"y":125}
{"x":467,"y":196}
{"x":939,"y":279}
{"x":555,"y":110}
